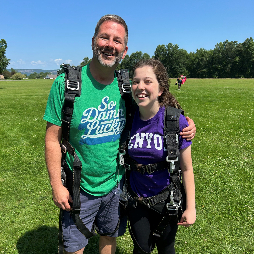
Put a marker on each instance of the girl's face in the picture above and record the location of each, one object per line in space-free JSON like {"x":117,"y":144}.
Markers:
{"x":145,"y":88}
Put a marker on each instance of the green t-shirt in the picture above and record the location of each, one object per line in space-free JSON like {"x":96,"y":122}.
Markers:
{"x":97,"y":122}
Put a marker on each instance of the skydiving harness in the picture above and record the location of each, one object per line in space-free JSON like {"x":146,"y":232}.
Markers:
{"x":71,"y":178}
{"x":171,"y":201}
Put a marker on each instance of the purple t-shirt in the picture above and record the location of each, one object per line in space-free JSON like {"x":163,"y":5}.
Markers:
{"x":146,"y":146}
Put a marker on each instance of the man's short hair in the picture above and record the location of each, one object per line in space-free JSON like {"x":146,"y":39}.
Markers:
{"x":116,"y":19}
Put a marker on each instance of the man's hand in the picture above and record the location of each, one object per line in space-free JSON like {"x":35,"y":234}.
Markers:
{"x":62,"y":198}
{"x":190,"y":131}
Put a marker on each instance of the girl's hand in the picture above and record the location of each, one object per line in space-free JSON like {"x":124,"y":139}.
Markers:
{"x":188,"y":218}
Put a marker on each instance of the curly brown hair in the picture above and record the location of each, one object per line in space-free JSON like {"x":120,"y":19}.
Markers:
{"x":166,"y":98}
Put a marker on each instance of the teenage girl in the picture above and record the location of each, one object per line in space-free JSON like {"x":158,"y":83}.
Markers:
{"x":150,"y":90}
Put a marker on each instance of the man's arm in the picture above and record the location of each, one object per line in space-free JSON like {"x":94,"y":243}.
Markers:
{"x":190,"y":131}
{"x":61,"y":196}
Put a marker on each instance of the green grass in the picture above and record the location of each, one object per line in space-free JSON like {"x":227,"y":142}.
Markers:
{"x":223,"y":162}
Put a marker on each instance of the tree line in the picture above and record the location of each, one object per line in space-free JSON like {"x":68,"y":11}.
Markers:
{"x":229,"y":59}
{"x":13,"y":74}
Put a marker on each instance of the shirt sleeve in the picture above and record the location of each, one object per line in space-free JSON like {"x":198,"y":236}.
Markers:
{"x":53,"y":112}
{"x":183,"y":143}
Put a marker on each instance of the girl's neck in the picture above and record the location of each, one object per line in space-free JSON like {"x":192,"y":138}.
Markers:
{"x":148,"y":113}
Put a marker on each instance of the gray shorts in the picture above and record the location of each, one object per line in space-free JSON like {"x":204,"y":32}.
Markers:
{"x":104,"y":211}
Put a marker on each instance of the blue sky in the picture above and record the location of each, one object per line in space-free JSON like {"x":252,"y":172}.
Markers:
{"x":44,"y":34}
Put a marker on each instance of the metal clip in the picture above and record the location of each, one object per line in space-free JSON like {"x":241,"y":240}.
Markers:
{"x":72,"y":85}
{"x":126,"y":88}
{"x":155,"y":234}
{"x":172,"y":205}
{"x":63,"y":148}
{"x":121,"y":158}
{"x":171,"y":198}
{"x":172,"y":164}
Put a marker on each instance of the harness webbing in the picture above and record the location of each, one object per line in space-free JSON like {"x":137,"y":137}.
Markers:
{"x":125,"y":91}
{"x":172,"y":195}
{"x":73,"y":90}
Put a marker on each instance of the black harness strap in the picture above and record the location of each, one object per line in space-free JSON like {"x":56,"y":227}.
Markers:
{"x":149,"y":168}
{"x":73,"y":90}
{"x":125,"y":91}
{"x":172,"y":195}
{"x":174,"y":204}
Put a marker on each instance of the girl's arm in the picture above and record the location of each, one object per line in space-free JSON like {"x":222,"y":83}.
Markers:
{"x":189,"y":215}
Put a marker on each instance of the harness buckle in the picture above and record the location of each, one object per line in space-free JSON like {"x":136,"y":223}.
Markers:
{"x":172,"y":164}
{"x":75,"y":210}
{"x":126,"y":88}
{"x":121,"y":158}
{"x":72,"y":85}
{"x":155,"y":234}
{"x":149,"y":168}
{"x":172,"y":205}
{"x":63,"y":148}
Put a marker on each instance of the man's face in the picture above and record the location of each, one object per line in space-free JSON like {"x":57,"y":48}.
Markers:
{"x":108,"y":46}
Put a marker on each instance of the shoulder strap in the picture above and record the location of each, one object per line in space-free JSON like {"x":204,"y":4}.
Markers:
{"x":125,"y":91}
{"x":72,"y":90}
{"x":171,"y":133}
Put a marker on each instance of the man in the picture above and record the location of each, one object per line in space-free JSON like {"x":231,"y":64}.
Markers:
{"x":97,"y":123}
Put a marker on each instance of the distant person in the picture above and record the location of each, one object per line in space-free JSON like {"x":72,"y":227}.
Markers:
{"x":183,"y":79}
{"x":150,"y":90}
{"x":96,"y":126}
{"x":179,"y":82}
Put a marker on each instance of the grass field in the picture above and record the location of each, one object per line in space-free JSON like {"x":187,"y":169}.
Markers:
{"x":223,"y":160}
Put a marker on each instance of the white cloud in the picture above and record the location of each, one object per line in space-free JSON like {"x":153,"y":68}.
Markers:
{"x":61,"y":61}
{"x":17,"y":63}
{"x":20,"y":61}
{"x":58,"y":61}
{"x":39,"y":62}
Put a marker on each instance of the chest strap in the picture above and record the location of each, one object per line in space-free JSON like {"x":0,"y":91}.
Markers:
{"x":149,"y":168}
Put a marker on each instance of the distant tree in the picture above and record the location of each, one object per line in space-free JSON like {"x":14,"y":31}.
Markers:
{"x":85,"y":61}
{"x":6,"y":74}
{"x":40,"y":75}
{"x":199,"y":63}
{"x":173,"y":58}
{"x":13,"y":71}
{"x":246,"y":58}
{"x":18,"y":76}
{"x":3,"y":59}
{"x":224,"y":59}
{"x":129,"y":62}
{"x":33,"y":75}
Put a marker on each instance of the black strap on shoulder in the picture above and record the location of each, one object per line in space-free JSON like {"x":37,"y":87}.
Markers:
{"x":125,"y":91}
{"x":173,"y":194}
{"x":171,"y":133}
{"x":72,"y":90}
{"x":174,"y":201}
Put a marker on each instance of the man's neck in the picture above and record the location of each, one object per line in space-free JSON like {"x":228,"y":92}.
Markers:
{"x":102,"y":74}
